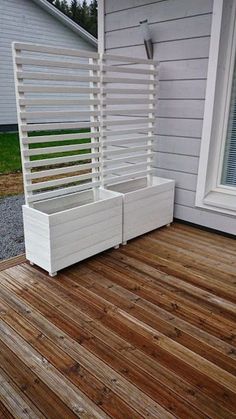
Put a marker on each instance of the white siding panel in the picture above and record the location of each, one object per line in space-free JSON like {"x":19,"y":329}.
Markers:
{"x":186,"y":181}
{"x":23,"y":20}
{"x":183,"y":49}
{"x":184,"y":197}
{"x":184,"y":69}
{"x":206,"y":218}
{"x":180,"y":108}
{"x":152,"y":10}
{"x":163,"y":31}
{"x":178,"y":162}
{"x":178,"y":145}
{"x":114,"y":5}
{"x":179,"y":127}
{"x":182,"y":89}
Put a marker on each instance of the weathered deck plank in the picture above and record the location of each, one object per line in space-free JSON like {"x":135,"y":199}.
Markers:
{"x":144,"y":331}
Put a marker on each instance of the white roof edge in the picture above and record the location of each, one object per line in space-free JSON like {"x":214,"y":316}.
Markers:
{"x":67,"y":21}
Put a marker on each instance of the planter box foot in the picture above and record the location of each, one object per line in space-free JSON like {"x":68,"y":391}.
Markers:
{"x":53,"y":274}
{"x":117,"y":246}
{"x":124,"y":243}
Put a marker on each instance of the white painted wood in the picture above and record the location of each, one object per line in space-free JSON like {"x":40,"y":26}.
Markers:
{"x":154,"y":11}
{"x":29,"y":75}
{"x":59,"y":160}
{"x":25,"y":21}
{"x":210,"y":193}
{"x":54,"y":50}
{"x":162,"y":31}
{"x":75,"y":222}
{"x":180,"y":59}
{"x":182,"y":49}
{"x":177,"y":145}
{"x":180,"y":108}
{"x":77,"y":230}
{"x":178,"y":162}
{"x":101,"y":27}
{"x":182,"y":180}
{"x":145,"y":208}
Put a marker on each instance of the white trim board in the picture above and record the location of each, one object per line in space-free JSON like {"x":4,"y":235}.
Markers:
{"x":101,"y":26}
{"x":206,"y":187}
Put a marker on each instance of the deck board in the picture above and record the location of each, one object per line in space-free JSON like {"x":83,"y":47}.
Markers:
{"x":144,"y":331}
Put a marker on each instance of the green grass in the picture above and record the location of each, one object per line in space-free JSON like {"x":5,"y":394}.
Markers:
{"x":9,"y":153}
{"x":10,"y":160}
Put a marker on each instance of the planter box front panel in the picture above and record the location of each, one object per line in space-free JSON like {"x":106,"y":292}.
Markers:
{"x":56,"y":240}
{"x":145,"y":208}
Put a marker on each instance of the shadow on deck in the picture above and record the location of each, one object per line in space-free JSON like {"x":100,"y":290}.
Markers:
{"x":144,"y":331}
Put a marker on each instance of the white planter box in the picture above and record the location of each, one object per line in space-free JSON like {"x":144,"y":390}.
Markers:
{"x":62,"y":231}
{"x":145,"y":208}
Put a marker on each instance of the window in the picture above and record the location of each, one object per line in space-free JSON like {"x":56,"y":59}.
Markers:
{"x":216,"y":188}
{"x":228,"y":169}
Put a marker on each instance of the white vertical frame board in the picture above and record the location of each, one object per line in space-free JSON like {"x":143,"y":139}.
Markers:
{"x":130,"y":88}
{"x":67,"y":215}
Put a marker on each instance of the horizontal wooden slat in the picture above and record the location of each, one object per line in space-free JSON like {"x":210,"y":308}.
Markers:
{"x":127,"y":59}
{"x":128,"y":150}
{"x":51,"y":63}
{"x":127,"y":111}
{"x":60,"y":149}
{"x":126,"y":159}
{"x":57,"y":114}
{"x":59,"y":160}
{"x":58,"y":102}
{"x":62,"y":191}
{"x":135,"y":121}
{"x":54,"y":50}
{"x":62,"y":170}
{"x":119,"y":91}
{"x":125,"y":168}
{"x":120,"y":132}
{"x":63,"y":181}
{"x":128,"y":140}
{"x":129,"y":101}
{"x":60,"y":137}
{"x":107,"y":79}
{"x":56,"y":89}
{"x":134,"y":175}
{"x":120,"y":69}
{"x":58,"y":126}
{"x":35,"y":75}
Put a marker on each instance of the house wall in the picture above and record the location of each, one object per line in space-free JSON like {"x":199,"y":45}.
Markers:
{"x":25,"y":21}
{"x":181,"y":33}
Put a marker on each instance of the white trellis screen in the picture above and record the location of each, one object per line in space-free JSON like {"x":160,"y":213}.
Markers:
{"x":84,"y":119}
{"x":58,"y":108}
{"x":128,"y":98}
{"x":86,"y":125}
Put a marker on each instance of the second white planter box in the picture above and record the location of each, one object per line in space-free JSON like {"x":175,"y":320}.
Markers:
{"x":62,"y":231}
{"x":145,"y":208}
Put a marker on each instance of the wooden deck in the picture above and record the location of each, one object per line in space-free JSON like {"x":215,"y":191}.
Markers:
{"x":144,"y":331}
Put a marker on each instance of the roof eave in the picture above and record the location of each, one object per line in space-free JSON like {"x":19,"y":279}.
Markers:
{"x":67,"y":21}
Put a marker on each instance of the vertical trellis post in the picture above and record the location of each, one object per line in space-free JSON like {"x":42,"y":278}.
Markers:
{"x":102,"y":115}
{"x":23,"y":134}
{"x":94,"y":107}
{"x":151,"y":109}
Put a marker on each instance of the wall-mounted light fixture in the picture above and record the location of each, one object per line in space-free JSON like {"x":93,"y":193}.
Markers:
{"x":147,"y":38}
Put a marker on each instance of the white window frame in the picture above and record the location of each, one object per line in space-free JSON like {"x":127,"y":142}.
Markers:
{"x":211,"y":194}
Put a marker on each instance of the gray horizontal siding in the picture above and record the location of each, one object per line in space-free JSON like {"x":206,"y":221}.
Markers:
{"x":24,"y":21}
{"x":181,"y":34}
